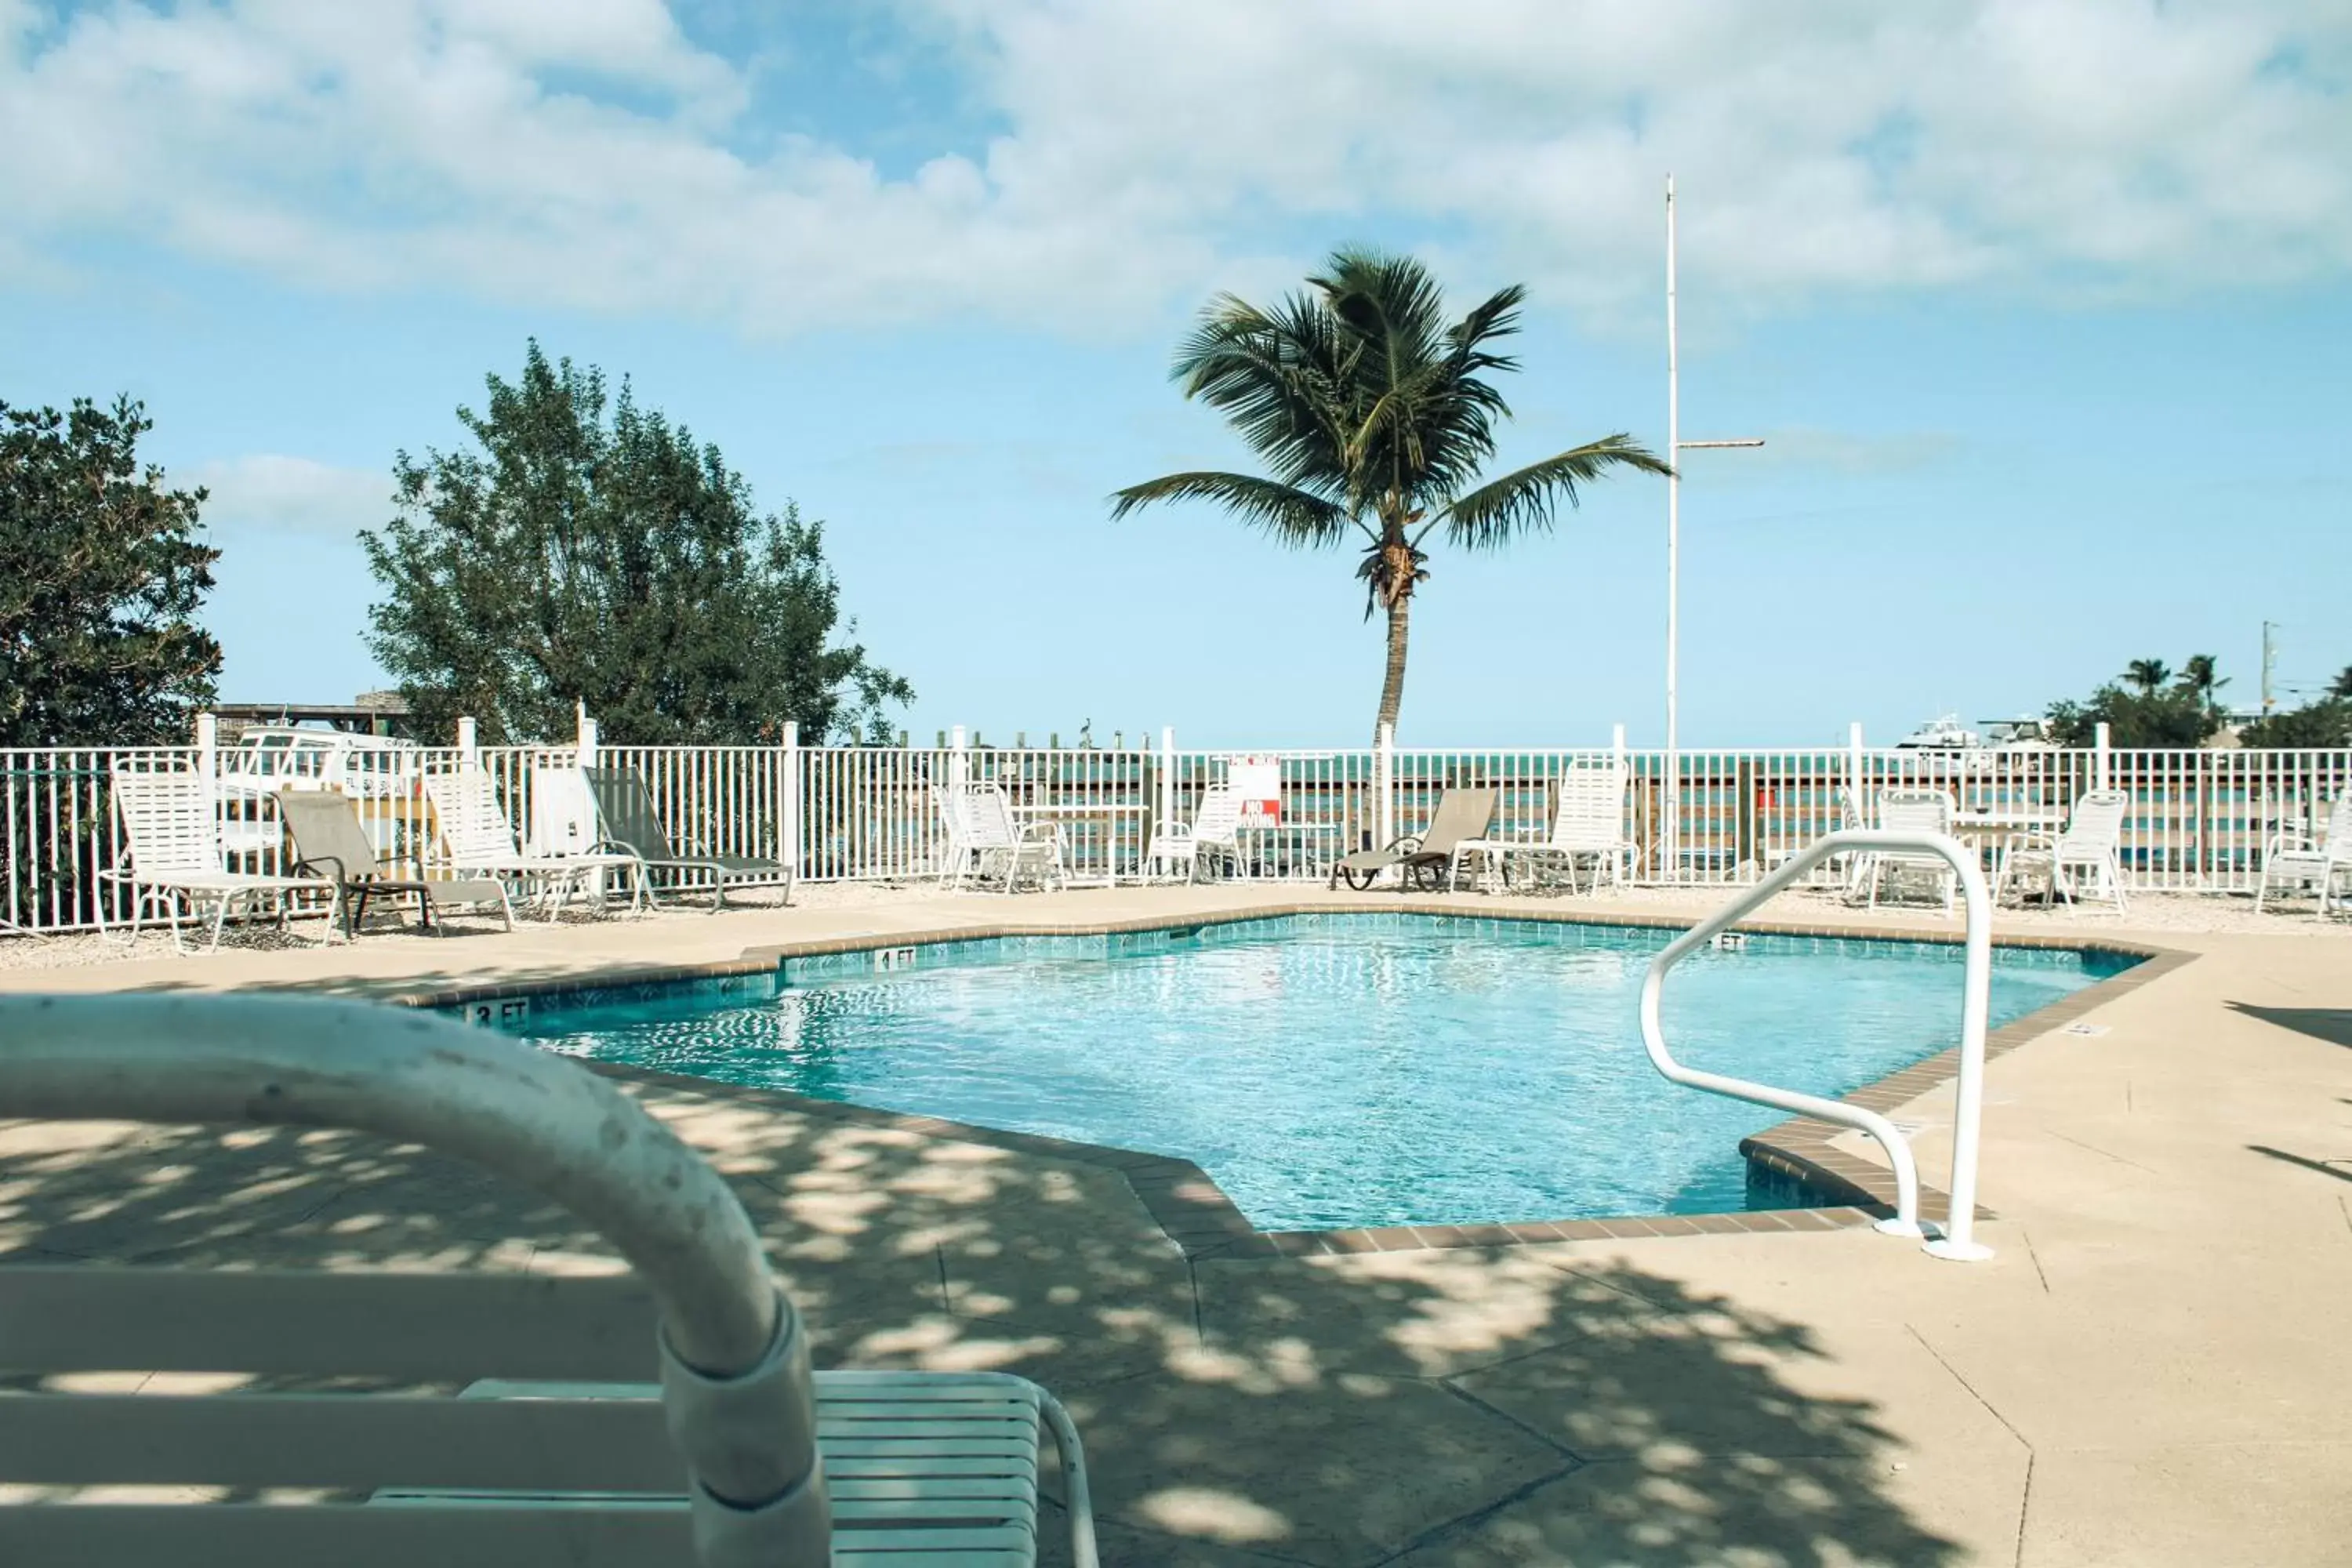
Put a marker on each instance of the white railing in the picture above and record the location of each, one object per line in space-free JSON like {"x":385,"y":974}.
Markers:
{"x":1957,"y":1242}
{"x":2199,"y":821}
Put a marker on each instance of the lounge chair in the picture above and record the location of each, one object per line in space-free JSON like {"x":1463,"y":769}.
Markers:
{"x":479,"y":840}
{"x":171,"y":830}
{"x":1429,"y":859}
{"x":628,"y":825}
{"x":2293,"y":860}
{"x":2084,"y":859}
{"x":330,"y":842}
{"x":984,"y":843}
{"x":1213,"y":836}
{"x":669,"y":1417}
{"x":1909,"y":811}
{"x":1589,"y":824}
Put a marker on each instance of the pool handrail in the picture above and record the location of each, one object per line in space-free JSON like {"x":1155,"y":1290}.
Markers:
{"x":1956,"y":1241}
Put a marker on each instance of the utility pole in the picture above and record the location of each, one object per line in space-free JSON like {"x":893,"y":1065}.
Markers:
{"x":1670,"y":848}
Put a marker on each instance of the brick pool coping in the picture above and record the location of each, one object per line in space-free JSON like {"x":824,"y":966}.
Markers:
{"x":1197,"y":1216}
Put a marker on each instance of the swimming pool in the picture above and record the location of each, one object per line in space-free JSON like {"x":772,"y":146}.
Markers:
{"x":1338,"y":1070}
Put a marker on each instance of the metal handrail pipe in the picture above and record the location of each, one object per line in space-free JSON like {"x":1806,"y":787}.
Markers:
{"x":1956,"y":1241}
{"x":747,"y":1428}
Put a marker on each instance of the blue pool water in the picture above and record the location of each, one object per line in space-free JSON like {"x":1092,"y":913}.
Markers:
{"x":1338,"y":1070}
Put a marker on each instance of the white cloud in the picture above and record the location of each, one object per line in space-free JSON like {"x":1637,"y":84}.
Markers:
{"x":289,"y":494}
{"x":587,"y":153}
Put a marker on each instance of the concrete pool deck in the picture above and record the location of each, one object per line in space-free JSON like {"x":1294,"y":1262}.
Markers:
{"x":2156,"y":1368}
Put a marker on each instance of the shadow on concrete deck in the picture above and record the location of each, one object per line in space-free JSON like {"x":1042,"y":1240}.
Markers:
{"x":1463,"y":1407}
{"x":2333,"y":1025}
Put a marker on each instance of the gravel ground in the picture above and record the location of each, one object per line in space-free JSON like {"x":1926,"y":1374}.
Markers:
{"x":2152,"y":913}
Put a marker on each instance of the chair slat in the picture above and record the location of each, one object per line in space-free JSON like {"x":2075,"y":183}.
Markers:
{"x":337,"y":1440}
{"x":236,"y":1535}
{"x":422,"y":1327}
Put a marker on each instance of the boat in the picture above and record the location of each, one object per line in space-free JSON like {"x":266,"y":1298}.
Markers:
{"x":1944,"y":734}
{"x":2017,"y":735}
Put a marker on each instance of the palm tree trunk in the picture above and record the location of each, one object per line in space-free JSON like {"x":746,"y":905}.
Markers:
{"x":1393,"y":682}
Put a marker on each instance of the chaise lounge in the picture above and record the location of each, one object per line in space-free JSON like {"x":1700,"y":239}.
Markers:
{"x":329,"y":841}
{"x":629,"y":826}
{"x":670,"y":1418}
{"x":1429,"y":858}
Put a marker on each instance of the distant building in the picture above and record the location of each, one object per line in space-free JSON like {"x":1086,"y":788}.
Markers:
{"x":370,"y":713}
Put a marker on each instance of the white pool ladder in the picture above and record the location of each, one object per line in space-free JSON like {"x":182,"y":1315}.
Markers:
{"x":1956,"y":1241}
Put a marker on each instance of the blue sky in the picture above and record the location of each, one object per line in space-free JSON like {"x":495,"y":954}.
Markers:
{"x":2042,"y":309}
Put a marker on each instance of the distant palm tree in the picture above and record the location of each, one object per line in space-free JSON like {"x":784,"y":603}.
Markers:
{"x":2201,"y":675}
{"x":2147,"y":674}
{"x":2342,"y":685}
{"x":1373,"y":416}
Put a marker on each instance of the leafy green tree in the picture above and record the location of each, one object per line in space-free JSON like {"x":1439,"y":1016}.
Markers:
{"x":2342,"y":685}
{"x":585,"y":553}
{"x":102,"y":571}
{"x":2326,"y":722}
{"x":2142,"y":710}
{"x":1374,"y":417}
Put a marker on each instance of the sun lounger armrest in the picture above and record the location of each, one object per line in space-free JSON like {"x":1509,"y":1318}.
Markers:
{"x":2029,"y":841}
{"x":1404,"y":844}
{"x":2289,"y":844}
{"x":328,"y":866}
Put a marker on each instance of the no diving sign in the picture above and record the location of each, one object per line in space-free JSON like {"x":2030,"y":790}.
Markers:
{"x":1257,"y":781}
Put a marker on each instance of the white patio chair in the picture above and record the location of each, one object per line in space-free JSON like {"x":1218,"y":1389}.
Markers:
{"x":985,"y":844}
{"x":480,"y":841}
{"x":665,"y":1416}
{"x":1588,"y":825}
{"x":2296,"y":860}
{"x":1910,"y":811}
{"x":2083,"y":860}
{"x":1849,"y":868}
{"x":171,"y":831}
{"x":1213,"y":836}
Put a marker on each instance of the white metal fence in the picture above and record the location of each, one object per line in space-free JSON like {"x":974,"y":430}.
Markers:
{"x":2199,"y":821}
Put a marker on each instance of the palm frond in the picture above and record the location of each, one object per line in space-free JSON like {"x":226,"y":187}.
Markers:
{"x":1523,"y":502}
{"x":1281,"y":379}
{"x":1291,"y":515}
{"x":1393,"y":302}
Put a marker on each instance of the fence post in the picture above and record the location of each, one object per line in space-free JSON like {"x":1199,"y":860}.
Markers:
{"x":1853,"y":774}
{"x":958,"y":759}
{"x":1743,"y":814}
{"x":468,"y":740}
{"x":1165,"y":807}
{"x":2102,"y":763}
{"x":586,"y":744}
{"x":1384,"y":786}
{"x":208,"y":762}
{"x":788,"y":806}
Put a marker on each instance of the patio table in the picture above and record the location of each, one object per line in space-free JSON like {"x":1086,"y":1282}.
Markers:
{"x":1093,"y":816}
{"x":1989,"y":831}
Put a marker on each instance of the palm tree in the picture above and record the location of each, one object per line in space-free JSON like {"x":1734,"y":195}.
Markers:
{"x":2342,"y":685}
{"x":2202,"y":675}
{"x":2147,"y":674}
{"x":1373,"y":416}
